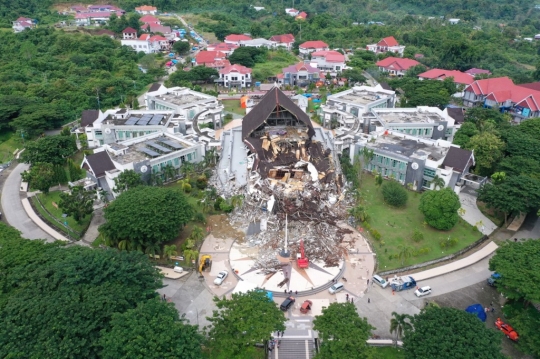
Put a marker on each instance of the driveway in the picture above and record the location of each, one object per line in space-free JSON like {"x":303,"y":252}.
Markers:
{"x":472,"y":215}
{"x":13,"y":209}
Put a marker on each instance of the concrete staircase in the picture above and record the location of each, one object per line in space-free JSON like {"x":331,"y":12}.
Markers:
{"x":291,"y":348}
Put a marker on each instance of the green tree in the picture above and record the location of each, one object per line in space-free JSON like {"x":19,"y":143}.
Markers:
{"x":342,"y":332}
{"x":517,"y":260}
{"x":379,"y":180}
{"x":241,"y":322}
{"x":40,"y":176}
{"x":440,"y":208}
{"x":146,"y":214}
{"x":181,"y":47}
{"x":169,"y":171}
{"x":151,"y":330}
{"x":404,"y":252}
{"x":399,"y":324}
{"x":394,"y":194}
{"x":49,"y":149}
{"x":464,"y":134}
{"x":488,"y":150}
{"x":445,"y":333}
{"x":353,"y":75}
{"x":127,"y":180}
{"x":197,"y":233}
{"x":246,"y":56}
{"x":78,"y":203}
{"x":437,"y":182}
{"x":525,"y":319}
{"x":170,"y":251}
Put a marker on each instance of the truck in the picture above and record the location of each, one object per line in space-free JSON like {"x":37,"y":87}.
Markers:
{"x":205,"y":263}
{"x":402,"y":283}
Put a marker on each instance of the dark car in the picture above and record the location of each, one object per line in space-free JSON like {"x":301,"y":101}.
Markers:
{"x":287,"y":303}
{"x":491,"y":280}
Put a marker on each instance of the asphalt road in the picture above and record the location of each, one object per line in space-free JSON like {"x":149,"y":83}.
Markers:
{"x":13,"y":210}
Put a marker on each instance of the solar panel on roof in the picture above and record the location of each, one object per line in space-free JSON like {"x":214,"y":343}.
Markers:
{"x":143,"y":122}
{"x":159,"y":147}
{"x":172,"y":144}
{"x":149,"y":152}
{"x":156,"y":119}
{"x":132,"y":120}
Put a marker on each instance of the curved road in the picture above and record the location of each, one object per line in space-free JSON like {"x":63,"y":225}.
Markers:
{"x":13,"y":209}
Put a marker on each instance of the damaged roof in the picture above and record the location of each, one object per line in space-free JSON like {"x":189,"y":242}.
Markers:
{"x":274,"y":101}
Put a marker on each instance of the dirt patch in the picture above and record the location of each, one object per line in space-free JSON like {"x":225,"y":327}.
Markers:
{"x":220,"y":227}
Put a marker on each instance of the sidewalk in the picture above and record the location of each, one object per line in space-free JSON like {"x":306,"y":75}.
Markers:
{"x":472,"y":215}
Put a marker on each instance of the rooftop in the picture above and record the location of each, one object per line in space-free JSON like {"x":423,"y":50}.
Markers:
{"x":401,"y":145}
{"x":138,"y":119}
{"x":147,"y":147}
{"x":429,"y":115}
{"x":181,"y":96}
{"x":361,"y":95}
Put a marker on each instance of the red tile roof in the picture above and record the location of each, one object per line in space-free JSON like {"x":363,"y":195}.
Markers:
{"x":330,"y":56}
{"x":440,"y":74}
{"x":533,"y":86}
{"x":237,"y":37}
{"x":285,"y":39}
{"x":235,"y":68}
{"x":222,"y":46}
{"x":486,"y":86}
{"x":388,"y":41}
{"x":129,"y":30}
{"x":397,"y":63}
{"x":475,"y":71}
{"x":314,"y":45}
{"x":147,"y":19}
{"x":158,"y":38}
{"x":206,"y":57}
{"x":501,"y":89}
{"x":24,"y":19}
{"x":302,"y":15}
{"x":144,"y":37}
{"x":146,"y":8}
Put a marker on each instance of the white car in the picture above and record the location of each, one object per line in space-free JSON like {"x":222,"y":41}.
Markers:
{"x":221,"y":277}
{"x":420,"y":292}
{"x":336,"y":288}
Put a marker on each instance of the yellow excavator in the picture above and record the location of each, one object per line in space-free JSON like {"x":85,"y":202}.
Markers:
{"x":205,"y":263}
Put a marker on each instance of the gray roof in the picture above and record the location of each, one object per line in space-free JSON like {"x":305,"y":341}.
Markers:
{"x":457,"y":158}
{"x":457,"y":114}
{"x":88,"y":117}
{"x":155,"y":86}
{"x":98,"y":163}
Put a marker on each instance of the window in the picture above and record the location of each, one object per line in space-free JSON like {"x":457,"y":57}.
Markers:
{"x":141,"y":133}
{"x":425,"y":183}
{"x":176,"y":161}
{"x":120,"y":135}
{"x":155,"y":169}
{"x":189,"y":156}
{"x":99,"y":133}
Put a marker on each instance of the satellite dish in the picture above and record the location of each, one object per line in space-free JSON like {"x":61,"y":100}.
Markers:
{"x":107,"y":130}
{"x":440,"y":127}
{"x":414,"y":166}
{"x":144,"y":169}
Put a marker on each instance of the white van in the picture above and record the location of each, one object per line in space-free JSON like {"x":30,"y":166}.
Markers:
{"x":380,"y":281}
{"x":336,"y":288}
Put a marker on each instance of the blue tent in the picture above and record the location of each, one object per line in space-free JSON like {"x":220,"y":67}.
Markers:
{"x":478,"y":310}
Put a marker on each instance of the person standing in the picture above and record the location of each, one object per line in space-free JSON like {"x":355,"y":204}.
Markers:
{"x":368,"y":300}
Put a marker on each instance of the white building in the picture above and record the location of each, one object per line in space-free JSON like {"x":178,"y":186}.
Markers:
{"x":235,"y":76}
{"x":331,"y":62}
{"x":312,"y":46}
{"x":260,"y":42}
{"x":22,"y":24}
{"x":141,"y":44}
{"x":292,"y":12}
{"x":148,"y":155}
{"x":388,"y":44}
{"x":146,"y":10}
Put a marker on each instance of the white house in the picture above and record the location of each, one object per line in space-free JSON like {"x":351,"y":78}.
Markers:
{"x":388,"y":44}
{"x":129,"y":33}
{"x":22,"y":24}
{"x":292,"y":12}
{"x":331,"y":62}
{"x":453,"y":21}
{"x":258,"y":43}
{"x":235,"y":39}
{"x":285,"y":40}
{"x":235,"y":76}
{"x":146,"y":10}
{"x":312,"y":46}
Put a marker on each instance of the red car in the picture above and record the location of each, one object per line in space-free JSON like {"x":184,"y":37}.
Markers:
{"x":507,"y":330}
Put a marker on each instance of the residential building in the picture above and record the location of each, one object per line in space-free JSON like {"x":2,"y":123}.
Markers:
{"x":459,"y":78}
{"x":387,"y":44}
{"x":286,"y":40}
{"x":301,"y":16}
{"x":236,"y":38}
{"x":146,"y":10}
{"x":189,"y":105}
{"x":344,"y":108}
{"x":102,"y":8}
{"x":22,"y":24}
{"x":213,"y":59}
{"x":301,"y":74}
{"x":519,"y":101}
{"x":142,"y":44}
{"x":149,"y":19}
{"x":453,"y":21}
{"x":396,"y":66}
{"x":158,"y":28}
{"x":148,"y":156}
{"x":474,"y":72}
{"x":312,"y":46}
{"x":331,"y":62}
{"x":223,"y":47}
{"x":260,"y":42}
{"x":129,"y":33}
{"x":92,"y":17}
{"x":160,"y":43}
{"x":414,"y":161}
{"x":235,"y":76}
{"x":292,"y":12}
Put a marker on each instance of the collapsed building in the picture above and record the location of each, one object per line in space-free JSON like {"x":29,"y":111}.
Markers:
{"x":291,"y":180}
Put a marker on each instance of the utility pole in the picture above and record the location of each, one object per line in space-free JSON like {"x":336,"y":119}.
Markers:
{"x":97,"y":92}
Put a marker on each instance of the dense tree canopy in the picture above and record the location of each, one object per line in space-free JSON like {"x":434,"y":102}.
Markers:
{"x":49,"y":149}
{"x":394,"y":194}
{"x":197,"y":74}
{"x":440,"y":208}
{"x":241,"y":322}
{"x":448,"y":333}
{"x":424,"y":93}
{"x":143,"y":216}
{"x":41,"y":176}
{"x":127,"y":180}
{"x":248,"y":56}
{"x":78,"y":203}
{"x":56,"y":300}
{"x":343,"y":332}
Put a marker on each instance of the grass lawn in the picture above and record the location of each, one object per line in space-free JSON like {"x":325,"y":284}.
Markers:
{"x":277,"y":60}
{"x":47,"y":201}
{"x":234,"y":107}
{"x":9,"y":142}
{"x":396,"y":227}
{"x":388,"y":353}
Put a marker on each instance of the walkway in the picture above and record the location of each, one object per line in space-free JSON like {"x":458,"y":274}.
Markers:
{"x":472,"y":215}
{"x":13,"y":209}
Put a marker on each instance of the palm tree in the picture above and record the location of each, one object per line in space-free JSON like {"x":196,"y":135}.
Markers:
{"x":156,"y":179}
{"x":124,"y":244}
{"x":103,"y":195}
{"x":398,"y":324}
{"x":359,"y":213}
{"x":404,"y":252}
{"x":152,"y":249}
{"x":197,"y":233}
{"x":169,"y":171}
{"x":170,"y":251}
{"x":437,"y":182}
{"x":190,"y":254}
{"x":187,"y":169}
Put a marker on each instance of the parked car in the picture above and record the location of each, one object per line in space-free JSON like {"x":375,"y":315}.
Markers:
{"x":420,"y":292}
{"x":380,"y":281}
{"x":287,"y":303}
{"x":507,"y":330}
{"x":336,"y":288}
{"x":491,"y":280}
{"x":221,"y":277}
{"x":306,"y":306}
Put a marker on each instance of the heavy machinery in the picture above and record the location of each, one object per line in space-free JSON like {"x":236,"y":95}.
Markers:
{"x":205,"y":263}
{"x":301,"y":259}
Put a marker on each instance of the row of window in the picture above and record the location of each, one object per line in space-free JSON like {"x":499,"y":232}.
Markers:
{"x":131,"y":134}
{"x":389,"y":162}
{"x":416,"y":131}
{"x":175,"y":162}
{"x":400,"y":176}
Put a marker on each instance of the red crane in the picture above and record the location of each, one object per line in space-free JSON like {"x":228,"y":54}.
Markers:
{"x":301,"y":259}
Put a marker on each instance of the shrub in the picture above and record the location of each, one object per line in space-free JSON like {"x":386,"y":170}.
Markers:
{"x":417,"y":236}
{"x":448,"y":243}
{"x":440,"y":208}
{"x":376,"y":235}
{"x":217,"y":203}
{"x":394,"y":194}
